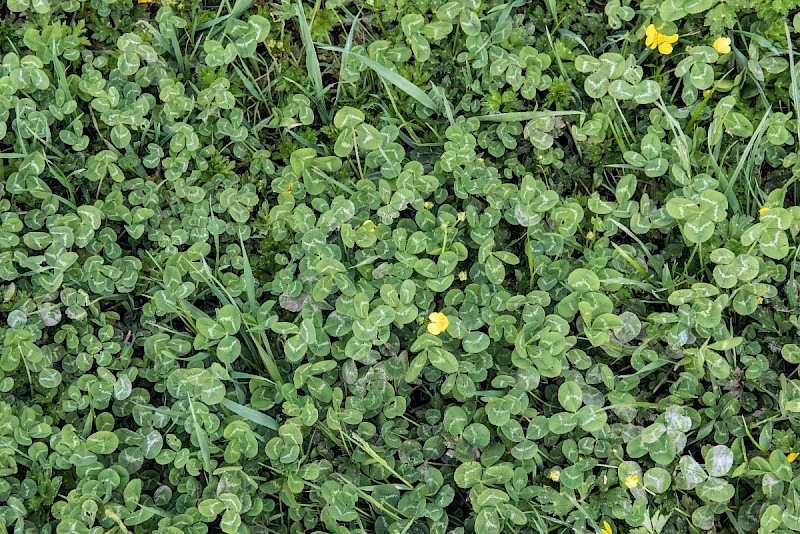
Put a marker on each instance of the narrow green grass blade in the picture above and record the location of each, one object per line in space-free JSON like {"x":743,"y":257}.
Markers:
{"x":520,"y":116}
{"x":312,"y":62}
{"x":795,"y":87}
{"x":202,"y":439}
{"x":448,"y":110}
{"x":249,"y":280}
{"x":346,"y":51}
{"x":745,"y":156}
{"x":250,"y":414}
{"x":392,"y":77}
{"x":248,"y":84}
{"x":238,"y":8}
{"x":633,"y":236}
{"x":576,"y":37}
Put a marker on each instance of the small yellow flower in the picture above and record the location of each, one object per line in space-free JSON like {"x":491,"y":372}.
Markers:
{"x":461,"y":216}
{"x":462,"y":276}
{"x":427,"y":205}
{"x":606,"y":528}
{"x":722,"y":45}
{"x":763,"y":210}
{"x":792,"y":456}
{"x":631,"y":481}
{"x":654,"y":40}
{"x":438,"y":323}
{"x":555,"y":475}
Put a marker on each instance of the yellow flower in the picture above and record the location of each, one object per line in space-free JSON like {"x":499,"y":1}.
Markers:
{"x":792,"y":456}
{"x":654,"y":40}
{"x":438,"y":323}
{"x":555,"y":475}
{"x":631,"y":481}
{"x":763,"y":210}
{"x":462,"y":276}
{"x":606,"y":528}
{"x":722,"y":45}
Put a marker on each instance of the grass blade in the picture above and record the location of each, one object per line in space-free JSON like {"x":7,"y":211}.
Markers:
{"x":520,"y":116}
{"x":312,"y":62}
{"x":795,"y":86}
{"x":249,"y":280}
{"x":744,"y":157}
{"x":202,"y":439}
{"x":347,"y":46}
{"x":250,"y":414}
{"x":392,"y":77}
{"x":448,"y":110}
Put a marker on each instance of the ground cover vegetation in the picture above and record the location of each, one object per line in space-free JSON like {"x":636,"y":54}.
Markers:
{"x":399,"y":266}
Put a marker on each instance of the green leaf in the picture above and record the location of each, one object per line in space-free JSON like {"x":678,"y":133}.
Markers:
{"x":455,"y":420}
{"x":715,"y":490}
{"x":442,"y":360}
{"x":475,"y":342}
{"x":570,"y":396}
{"x":102,"y":442}
{"x":228,"y":349}
{"x":468,"y":474}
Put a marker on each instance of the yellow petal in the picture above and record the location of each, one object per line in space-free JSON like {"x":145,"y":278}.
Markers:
{"x":438,"y":323}
{"x":665,"y":48}
{"x":722,"y":45}
{"x":671,"y":38}
{"x":650,"y":34}
{"x":792,"y":456}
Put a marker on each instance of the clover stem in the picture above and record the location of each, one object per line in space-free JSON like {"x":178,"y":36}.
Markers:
{"x":529,"y":254}
{"x":700,"y":257}
{"x":358,"y":157}
{"x":691,"y":257}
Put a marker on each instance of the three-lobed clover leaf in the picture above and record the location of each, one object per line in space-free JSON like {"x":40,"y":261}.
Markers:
{"x":769,"y":233}
{"x":418,"y":32}
{"x":697,"y":68}
{"x":699,"y":215}
{"x":732,"y":268}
